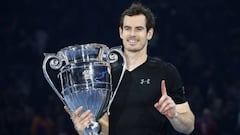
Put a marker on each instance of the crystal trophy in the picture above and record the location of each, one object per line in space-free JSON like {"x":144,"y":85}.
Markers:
{"x":84,"y":72}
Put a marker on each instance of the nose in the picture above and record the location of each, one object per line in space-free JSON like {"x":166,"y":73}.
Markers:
{"x":132,"y":33}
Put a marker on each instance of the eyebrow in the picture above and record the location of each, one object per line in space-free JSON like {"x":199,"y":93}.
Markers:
{"x":126,"y":26}
{"x":140,"y":27}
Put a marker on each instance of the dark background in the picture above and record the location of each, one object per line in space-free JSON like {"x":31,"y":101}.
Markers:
{"x":200,"y":37}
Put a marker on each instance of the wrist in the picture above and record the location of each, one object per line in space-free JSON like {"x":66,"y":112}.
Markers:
{"x":175,"y":115}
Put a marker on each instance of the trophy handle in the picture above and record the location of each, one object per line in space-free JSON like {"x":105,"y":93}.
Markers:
{"x":113,"y":57}
{"x":55,"y":63}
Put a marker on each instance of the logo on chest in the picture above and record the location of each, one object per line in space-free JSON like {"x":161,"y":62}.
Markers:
{"x":145,"y":81}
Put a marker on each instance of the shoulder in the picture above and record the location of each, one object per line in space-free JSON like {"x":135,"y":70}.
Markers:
{"x":155,"y":61}
{"x":160,"y":63}
{"x":159,"y":66}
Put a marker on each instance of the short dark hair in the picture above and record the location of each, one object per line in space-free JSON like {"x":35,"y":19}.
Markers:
{"x":138,"y":9}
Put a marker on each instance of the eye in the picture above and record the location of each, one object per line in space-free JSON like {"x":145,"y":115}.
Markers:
{"x":126,"y":28}
{"x":139,"y":28}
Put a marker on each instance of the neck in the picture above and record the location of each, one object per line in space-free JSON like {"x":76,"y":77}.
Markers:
{"x":135,"y":59}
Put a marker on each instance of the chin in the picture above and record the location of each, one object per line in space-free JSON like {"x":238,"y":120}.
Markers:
{"x":133,"y":49}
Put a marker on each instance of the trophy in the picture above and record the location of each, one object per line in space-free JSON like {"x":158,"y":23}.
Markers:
{"x":84,"y":72}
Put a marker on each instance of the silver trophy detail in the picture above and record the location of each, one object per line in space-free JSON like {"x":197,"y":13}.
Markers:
{"x":84,"y":72}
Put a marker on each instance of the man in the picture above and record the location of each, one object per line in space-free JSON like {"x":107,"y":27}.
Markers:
{"x":151,"y":94}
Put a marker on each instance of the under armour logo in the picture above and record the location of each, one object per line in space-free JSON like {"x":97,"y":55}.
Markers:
{"x":145,"y":81}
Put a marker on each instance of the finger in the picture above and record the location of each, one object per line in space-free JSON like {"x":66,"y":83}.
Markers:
{"x":163,"y":99}
{"x":87,"y":120}
{"x":170,"y":111}
{"x":79,"y":109}
{"x":67,"y":110}
{"x":85,"y":115}
{"x":159,"y":104}
{"x":163,"y":88}
{"x":76,"y":113}
{"x":81,"y":124}
{"x":168,"y":106}
{"x":164,"y":104}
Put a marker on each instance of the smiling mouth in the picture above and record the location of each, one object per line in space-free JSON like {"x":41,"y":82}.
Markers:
{"x":132,"y":41}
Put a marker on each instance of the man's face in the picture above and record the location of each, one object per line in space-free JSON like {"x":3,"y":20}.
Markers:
{"x":134,"y":33}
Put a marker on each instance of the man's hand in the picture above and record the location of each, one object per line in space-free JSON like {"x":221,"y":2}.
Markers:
{"x":166,"y":105}
{"x":80,"y":121}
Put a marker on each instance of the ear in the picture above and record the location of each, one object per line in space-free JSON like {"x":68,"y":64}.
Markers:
{"x":150,"y":33}
{"x":120,"y":32}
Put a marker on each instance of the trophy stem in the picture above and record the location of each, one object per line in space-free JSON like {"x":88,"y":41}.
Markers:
{"x":93,"y":128}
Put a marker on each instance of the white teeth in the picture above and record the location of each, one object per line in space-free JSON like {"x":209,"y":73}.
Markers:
{"x":132,"y":41}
